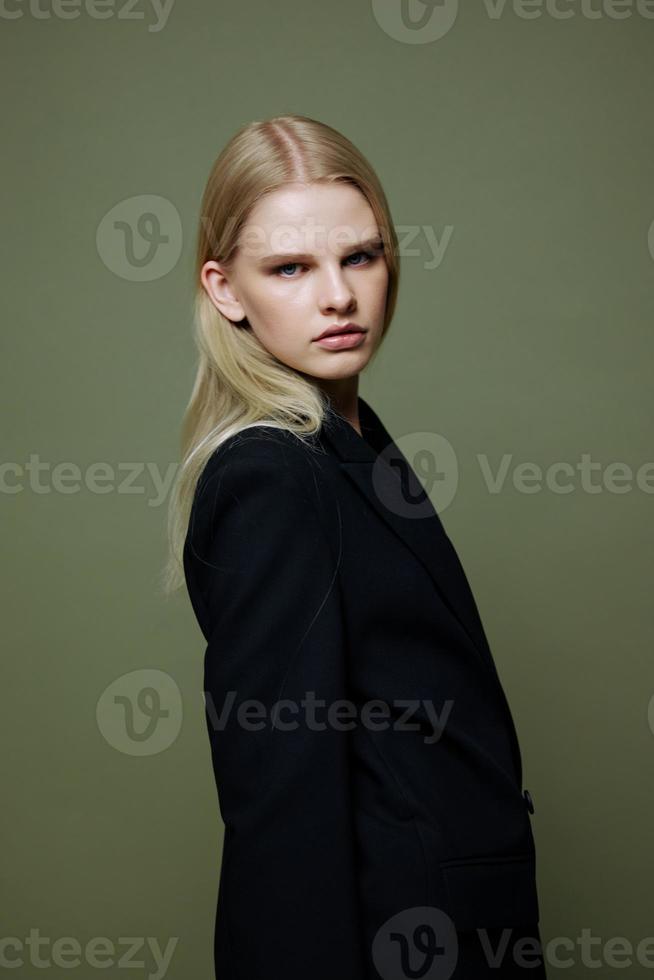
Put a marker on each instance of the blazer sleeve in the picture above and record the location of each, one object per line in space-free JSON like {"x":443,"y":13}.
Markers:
{"x":266,"y":569}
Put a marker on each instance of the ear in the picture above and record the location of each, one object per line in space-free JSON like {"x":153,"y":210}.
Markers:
{"x":219,"y":290}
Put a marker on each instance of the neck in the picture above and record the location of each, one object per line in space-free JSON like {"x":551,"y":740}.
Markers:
{"x":344,"y":395}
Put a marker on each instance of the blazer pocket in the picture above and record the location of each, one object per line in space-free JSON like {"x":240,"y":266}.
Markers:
{"x":491,"y":892}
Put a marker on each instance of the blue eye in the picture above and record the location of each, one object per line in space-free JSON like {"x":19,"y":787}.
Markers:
{"x":368,"y":256}
{"x":286,"y":266}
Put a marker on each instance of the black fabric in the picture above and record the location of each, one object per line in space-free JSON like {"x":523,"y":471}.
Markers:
{"x":323,"y":572}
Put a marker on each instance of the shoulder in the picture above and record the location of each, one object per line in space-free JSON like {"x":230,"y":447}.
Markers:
{"x":268,"y":453}
{"x":265,"y":473}
{"x":260,"y":491}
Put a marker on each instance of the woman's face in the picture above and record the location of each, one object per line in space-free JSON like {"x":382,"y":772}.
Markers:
{"x":308,"y":258}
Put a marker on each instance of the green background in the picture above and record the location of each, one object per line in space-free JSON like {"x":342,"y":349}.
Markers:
{"x":531,"y":139}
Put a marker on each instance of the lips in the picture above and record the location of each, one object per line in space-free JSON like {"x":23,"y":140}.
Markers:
{"x":336,"y":331}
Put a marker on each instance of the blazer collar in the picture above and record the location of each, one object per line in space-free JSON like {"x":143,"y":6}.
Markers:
{"x":379,"y":470}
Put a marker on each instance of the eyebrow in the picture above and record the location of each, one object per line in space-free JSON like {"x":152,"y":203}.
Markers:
{"x":370,"y":244}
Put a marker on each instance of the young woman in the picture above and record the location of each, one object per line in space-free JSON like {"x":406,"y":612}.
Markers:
{"x":368,"y":771}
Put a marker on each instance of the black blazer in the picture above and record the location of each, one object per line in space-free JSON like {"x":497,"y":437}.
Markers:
{"x":324,"y":574}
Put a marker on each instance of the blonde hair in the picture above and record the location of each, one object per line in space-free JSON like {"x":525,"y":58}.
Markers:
{"x":238,"y":382}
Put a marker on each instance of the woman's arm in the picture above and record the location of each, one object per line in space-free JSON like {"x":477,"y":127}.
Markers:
{"x":260,"y":556}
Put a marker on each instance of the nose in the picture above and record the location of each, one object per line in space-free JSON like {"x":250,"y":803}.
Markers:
{"x":336,"y":294}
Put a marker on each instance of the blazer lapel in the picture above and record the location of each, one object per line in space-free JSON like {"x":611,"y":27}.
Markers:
{"x":380,"y":471}
{"x":377,"y":468}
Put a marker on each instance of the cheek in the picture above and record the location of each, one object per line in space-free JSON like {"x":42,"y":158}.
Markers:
{"x":377,"y":287}
{"x":279,"y":323}
{"x":267,"y":311}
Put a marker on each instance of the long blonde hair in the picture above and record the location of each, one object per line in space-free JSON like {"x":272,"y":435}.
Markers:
{"x":238,"y":382}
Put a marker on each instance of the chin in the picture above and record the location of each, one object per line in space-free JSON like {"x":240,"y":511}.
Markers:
{"x":345,"y":365}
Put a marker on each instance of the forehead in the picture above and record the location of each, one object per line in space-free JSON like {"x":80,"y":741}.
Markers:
{"x":308,"y":218}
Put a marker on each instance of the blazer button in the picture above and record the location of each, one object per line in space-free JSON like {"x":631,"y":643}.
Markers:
{"x":529,"y":803}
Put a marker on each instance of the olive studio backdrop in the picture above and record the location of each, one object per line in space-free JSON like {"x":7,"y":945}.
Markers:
{"x":515,"y":144}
